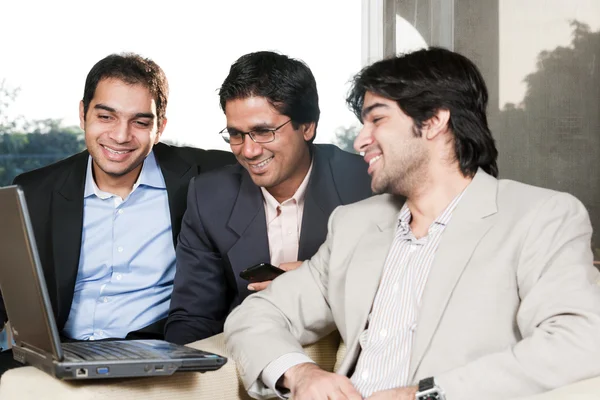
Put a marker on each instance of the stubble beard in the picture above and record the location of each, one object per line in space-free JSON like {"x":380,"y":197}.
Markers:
{"x":405,"y":177}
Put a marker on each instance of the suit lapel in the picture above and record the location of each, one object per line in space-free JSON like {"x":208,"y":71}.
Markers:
{"x":67,"y":223}
{"x":364,"y":274}
{"x":320,"y":201}
{"x":248,"y":221}
{"x":470,"y":222}
{"x":177,"y":174}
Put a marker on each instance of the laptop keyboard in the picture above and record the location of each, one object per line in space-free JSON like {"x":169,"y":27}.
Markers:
{"x":102,"y":351}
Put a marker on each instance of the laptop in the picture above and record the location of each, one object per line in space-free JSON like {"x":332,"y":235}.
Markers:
{"x":34,"y":329}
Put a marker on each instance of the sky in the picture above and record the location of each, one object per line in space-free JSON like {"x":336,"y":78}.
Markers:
{"x":53,"y":44}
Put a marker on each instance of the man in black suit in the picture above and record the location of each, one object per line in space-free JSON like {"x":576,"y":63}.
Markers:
{"x":106,"y":220}
{"x":271,"y":208}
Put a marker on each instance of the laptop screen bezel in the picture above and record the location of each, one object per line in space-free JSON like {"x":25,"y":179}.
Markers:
{"x":41,"y":288}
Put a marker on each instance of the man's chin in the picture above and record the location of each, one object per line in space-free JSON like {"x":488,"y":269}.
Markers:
{"x":261,"y":181}
{"x":378,"y":187}
{"x":117,"y":171}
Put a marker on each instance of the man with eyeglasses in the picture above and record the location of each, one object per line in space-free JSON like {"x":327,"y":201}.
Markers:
{"x":271,"y":208}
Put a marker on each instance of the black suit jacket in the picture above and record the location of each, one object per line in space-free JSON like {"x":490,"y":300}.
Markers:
{"x":55,"y":201}
{"x":224,"y":231}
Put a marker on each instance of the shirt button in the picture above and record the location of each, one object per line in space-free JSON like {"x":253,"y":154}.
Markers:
{"x":383,"y":333}
{"x":120,"y":249}
{"x":365,"y":375}
{"x":120,"y":211}
{"x":118,"y":276}
{"x":104,"y":300}
{"x":92,"y":337}
{"x":289,"y":233}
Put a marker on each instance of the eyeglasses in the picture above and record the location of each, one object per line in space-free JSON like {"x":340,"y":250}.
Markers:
{"x":260,"y":135}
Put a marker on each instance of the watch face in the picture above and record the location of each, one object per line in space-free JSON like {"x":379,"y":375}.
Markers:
{"x":429,"y":391}
{"x":431,"y":394}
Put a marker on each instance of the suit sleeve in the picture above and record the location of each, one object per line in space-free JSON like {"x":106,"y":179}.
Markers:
{"x":559,"y":315}
{"x":293,"y":311}
{"x":199,"y":303}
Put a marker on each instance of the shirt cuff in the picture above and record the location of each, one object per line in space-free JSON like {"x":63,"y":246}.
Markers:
{"x":275,"y":370}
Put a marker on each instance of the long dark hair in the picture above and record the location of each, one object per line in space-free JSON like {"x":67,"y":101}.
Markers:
{"x":429,"y":80}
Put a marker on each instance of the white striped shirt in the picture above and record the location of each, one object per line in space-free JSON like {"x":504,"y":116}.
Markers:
{"x":387,"y":341}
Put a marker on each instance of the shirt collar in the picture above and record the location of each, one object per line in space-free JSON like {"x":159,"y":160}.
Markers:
{"x":405,"y":216}
{"x":149,"y":176}
{"x":298,"y":197}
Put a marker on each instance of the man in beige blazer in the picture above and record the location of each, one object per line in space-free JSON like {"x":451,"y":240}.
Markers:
{"x":473,"y":288}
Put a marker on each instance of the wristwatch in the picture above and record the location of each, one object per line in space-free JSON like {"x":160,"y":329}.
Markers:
{"x":428,"y":390}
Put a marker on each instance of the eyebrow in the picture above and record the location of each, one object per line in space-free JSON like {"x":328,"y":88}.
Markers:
{"x":112,"y":110}
{"x":262,"y":125}
{"x":367,"y":111}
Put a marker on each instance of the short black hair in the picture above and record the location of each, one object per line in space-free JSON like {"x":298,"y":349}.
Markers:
{"x":132,"y":69}
{"x":287,"y":84}
{"x":426,"y":81}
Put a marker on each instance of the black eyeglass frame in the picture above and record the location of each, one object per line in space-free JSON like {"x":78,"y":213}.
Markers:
{"x":252,"y":133}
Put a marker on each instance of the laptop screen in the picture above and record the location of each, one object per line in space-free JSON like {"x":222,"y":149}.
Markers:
{"x":21,"y":278}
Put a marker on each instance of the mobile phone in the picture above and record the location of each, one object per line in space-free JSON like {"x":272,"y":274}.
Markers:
{"x":261,"y":272}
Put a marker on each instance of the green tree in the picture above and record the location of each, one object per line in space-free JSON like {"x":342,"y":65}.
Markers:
{"x":27,"y":145}
{"x":22,"y":152}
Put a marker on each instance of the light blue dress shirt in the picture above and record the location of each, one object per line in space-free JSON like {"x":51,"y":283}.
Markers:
{"x":127,"y":261}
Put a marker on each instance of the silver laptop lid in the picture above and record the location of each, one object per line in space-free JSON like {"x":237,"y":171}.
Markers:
{"x":21,"y":278}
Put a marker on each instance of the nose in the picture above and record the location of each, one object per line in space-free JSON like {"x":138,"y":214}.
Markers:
{"x":121,"y":132}
{"x":251,"y":149}
{"x":363,"y":140}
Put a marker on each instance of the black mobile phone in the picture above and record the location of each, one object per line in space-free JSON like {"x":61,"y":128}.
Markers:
{"x":261,"y":272}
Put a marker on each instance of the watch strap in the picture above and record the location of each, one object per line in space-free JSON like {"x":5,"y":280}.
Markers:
{"x":426,"y":384}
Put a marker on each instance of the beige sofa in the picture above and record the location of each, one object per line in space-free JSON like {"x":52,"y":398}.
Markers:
{"x":28,"y":383}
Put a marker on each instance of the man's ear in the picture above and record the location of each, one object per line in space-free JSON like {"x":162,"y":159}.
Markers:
{"x":437,"y":124}
{"x":81,"y":115}
{"x":161,"y":128}
{"x":308,"y":130}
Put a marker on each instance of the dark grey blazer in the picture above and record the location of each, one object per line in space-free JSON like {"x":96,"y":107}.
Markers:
{"x":224,"y":231}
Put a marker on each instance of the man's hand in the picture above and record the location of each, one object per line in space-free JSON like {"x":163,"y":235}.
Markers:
{"x":263,"y":285}
{"x":309,"y":382}
{"x":405,"y":393}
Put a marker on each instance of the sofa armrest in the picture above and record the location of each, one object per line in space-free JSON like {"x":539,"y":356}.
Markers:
{"x":28,"y":383}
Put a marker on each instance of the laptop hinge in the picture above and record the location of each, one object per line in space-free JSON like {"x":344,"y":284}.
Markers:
{"x":34,"y":350}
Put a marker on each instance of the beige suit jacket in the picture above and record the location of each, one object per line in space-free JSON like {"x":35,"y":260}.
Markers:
{"x":511,"y":306}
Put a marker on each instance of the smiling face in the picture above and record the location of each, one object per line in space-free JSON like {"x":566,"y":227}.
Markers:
{"x":397,"y":157}
{"x":121,"y":127}
{"x":279,"y":166}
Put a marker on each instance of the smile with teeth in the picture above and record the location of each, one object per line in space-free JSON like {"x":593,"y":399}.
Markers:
{"x":262,"y":163}
{"x":115,"y":151}
{"x":374,"y":159}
